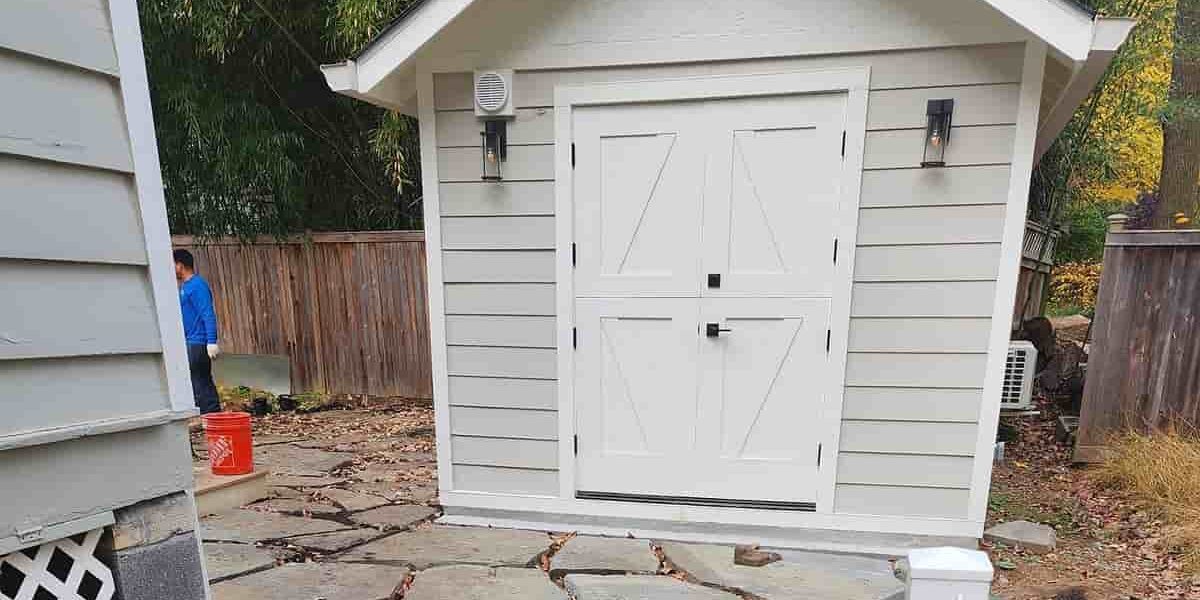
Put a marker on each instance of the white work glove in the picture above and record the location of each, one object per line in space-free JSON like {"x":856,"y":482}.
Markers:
{"x":213,"y":351}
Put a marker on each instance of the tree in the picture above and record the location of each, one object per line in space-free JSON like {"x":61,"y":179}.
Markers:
{"x":251,"y":139}
{"x":1111,"y":149}
{"x":1181,"y":118}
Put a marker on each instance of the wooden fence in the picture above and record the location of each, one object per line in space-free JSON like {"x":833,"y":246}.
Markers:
{"x":1144,"y":365}
{"x":1037,"y":261}
{"x":347,"y":308}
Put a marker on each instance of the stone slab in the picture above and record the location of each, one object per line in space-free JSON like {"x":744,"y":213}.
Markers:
{"x":337,"y":541}
{"x":226,"y":561}
{"x":601,"y":554}
{"x":393,"y":517}
{"x":295,"y":506}
{"x":323,"y":443}
{"x":271,"y":440}
{"x":298,"y":481}
{"x":1030,"y":536}
{"x":248,"y":527}
{"x":289,"y":459}
{"x":308,"y":581}
{"x":353,"y":501}
{"x":168,"y":569}
{"x":467,"y":582}
{"x":800,"y":576}
{"x":431,"y":546}
{"x":639,"y":587}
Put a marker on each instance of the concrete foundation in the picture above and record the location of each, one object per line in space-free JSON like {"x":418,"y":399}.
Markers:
{"x":167,"y":569}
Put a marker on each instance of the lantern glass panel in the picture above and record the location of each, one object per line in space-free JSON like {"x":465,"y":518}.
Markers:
{"x":937,"y":132}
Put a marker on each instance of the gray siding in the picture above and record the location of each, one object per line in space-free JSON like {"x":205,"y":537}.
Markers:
{"x":80,"y":345}
{"x":922,"y":301}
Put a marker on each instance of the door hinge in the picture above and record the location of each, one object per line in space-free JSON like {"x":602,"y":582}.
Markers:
{"x":576,"y":445}
{"x":828,"y":339}
{"x":835,"y":249}
{"x":843,"y":144}
{"x":573,"y":254}
{"x":818,"y":455}
{"x":572,"y":155}
{"x":574,"y":337}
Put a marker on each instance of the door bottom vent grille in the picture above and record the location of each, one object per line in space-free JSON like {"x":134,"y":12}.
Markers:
{"x":692,"y":501}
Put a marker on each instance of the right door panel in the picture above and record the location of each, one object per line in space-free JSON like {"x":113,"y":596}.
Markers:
{"x":770,"y":205}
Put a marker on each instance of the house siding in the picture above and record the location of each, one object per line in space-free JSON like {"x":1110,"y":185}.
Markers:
{"x":81,"y":347}
{"x":923,"y":294}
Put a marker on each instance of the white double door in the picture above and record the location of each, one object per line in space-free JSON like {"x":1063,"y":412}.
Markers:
{"x":690,"y":216}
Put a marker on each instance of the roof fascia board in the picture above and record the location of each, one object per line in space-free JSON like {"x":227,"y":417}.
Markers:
{"x":401,"y":43}
{"x":1109,"y":36}
{"x":1065,"y":27}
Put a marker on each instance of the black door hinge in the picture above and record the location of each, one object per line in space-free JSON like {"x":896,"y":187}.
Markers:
{"x":818,"y":454}
{"x":843,"y":145}
{"x":572,"y":155}
{"x":573,"y":254}
{"x":574,"y":337}
{"x":576,"y":445}
{"x":835,"y":249}
{"x":828,"y":339}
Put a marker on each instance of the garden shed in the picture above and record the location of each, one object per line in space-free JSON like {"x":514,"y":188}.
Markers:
{"x":726,"y":269}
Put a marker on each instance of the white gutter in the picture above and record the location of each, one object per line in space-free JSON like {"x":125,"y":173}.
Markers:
{"x":1108,"y":35}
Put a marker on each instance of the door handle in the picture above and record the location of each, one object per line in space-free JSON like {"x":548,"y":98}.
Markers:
{"x":713,"y":330}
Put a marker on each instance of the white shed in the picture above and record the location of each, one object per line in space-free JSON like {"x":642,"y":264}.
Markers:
{"x":689,"y":275}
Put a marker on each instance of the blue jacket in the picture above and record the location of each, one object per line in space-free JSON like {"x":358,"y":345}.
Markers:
{"x":199,"y":318}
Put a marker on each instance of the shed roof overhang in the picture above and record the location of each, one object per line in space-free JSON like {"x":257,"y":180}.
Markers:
{"x":384,"y":73}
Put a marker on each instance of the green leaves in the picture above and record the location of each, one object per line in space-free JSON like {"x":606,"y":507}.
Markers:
{"x":251,"y":139}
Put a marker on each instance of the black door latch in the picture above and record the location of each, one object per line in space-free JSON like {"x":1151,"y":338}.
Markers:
{"x":713,"y":330}
{"x":714,"y":280}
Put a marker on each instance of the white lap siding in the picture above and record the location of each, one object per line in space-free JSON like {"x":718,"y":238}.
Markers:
{"x":925,"y":278}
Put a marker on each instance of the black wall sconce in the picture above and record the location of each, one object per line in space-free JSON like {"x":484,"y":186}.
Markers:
{"x":939,"y":115}
{"x":494,"y":145}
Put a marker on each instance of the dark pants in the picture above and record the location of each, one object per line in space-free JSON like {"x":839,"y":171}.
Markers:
{"x":202,"y":379}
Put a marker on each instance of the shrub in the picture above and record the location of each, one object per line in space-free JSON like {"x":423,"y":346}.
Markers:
{"x":1075,"y":285}
{"x":1161,"y":473}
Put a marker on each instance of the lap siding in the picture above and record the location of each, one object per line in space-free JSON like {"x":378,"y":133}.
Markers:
{"x":925,"y":279}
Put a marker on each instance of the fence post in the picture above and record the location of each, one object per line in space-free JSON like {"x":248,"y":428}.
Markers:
{"x":1117,"y":222}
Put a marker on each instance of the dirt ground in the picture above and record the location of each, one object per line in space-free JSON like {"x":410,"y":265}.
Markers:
{"x":1106,"y":548}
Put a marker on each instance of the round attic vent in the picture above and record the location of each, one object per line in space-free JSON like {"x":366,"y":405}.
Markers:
{"x":491,"y":91}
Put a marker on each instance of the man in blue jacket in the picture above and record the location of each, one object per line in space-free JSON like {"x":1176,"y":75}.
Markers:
{"x":199,"y":329}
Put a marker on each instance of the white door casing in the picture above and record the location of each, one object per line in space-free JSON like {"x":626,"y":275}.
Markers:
{"x":738,"y":176}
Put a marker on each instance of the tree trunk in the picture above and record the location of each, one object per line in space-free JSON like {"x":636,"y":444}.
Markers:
{"x":1180,"y":173}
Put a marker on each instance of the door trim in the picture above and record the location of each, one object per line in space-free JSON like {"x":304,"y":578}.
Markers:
{"x":855,"y":83}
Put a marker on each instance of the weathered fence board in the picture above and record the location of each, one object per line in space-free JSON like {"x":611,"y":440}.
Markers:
{"x":1144,"y":366}
{"x":347,"y":308}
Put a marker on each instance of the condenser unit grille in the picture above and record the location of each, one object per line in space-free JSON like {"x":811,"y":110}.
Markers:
{"x":491,"y":91}
{"x":67,"y":569}
{"x":1017,"y":393}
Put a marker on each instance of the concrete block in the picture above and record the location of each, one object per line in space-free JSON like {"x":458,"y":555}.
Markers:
{"x":167,"y":569}
{"x":948,"y":574}
{"x":153,"y":521}
{"x":1034,"y":537}
{"x":216,"y":493}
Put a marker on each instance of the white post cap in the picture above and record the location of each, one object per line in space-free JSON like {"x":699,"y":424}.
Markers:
{"x":949,"y":564}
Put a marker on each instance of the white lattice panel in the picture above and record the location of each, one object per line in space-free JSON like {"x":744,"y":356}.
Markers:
{"x":66,"y":569}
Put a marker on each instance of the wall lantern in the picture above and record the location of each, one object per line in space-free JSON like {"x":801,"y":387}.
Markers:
{"x":494,"y":145}
{"x":937,"y":132}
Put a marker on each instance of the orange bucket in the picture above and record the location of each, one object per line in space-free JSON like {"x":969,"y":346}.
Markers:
{"x":230,"y":449}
